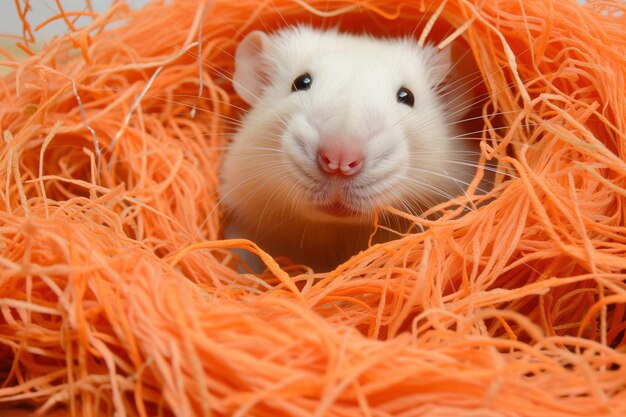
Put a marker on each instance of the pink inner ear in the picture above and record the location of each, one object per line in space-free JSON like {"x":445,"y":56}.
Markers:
{"x":251,"y":76}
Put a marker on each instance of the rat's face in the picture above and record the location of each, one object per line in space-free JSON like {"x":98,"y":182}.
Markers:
{"x":339,"y":125}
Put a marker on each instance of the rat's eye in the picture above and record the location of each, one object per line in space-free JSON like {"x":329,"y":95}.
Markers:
{"x":303,"y":82}
{"x":405,"y":96}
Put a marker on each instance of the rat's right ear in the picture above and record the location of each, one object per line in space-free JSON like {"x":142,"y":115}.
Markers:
{"x":251,"y":75}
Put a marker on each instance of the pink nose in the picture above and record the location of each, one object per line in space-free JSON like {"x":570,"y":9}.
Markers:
{"x":342,"y":162}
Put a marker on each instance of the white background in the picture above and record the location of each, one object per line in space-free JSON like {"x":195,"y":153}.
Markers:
{"x":42,"y":9}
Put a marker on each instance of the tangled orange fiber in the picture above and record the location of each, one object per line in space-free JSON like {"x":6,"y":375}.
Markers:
{"x":118,"y":298}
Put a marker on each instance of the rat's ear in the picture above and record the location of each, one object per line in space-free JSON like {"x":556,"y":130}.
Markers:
{"x":441,"y":65}
{"x":457,"y":77}
{"x":250,"y":69}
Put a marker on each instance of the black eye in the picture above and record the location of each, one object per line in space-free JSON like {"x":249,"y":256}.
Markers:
{"x":405,"y":96}
{"x":303,"y":82}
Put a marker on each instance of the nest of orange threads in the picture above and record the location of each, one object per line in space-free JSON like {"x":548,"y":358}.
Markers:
{"x":118,"y":296}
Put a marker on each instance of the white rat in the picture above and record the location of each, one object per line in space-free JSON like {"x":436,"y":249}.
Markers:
{"x":339,"y":126}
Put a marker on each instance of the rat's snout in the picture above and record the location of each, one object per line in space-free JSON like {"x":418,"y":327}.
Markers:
{"x":340,"y":161}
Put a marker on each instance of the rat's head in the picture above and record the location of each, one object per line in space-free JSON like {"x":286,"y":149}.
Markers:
{"x":339,"y":125}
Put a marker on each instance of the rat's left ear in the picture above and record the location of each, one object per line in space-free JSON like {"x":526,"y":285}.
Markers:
{"x":456,"y":77}
{"x":441,"y":65}
{"x":250,"y":69}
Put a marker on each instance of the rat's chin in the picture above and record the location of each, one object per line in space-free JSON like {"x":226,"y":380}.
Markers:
{"x":337,"y":211}
{"x":338,"y":208}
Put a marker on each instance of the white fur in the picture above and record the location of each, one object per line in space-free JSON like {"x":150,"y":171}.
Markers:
{"x":271,"y":184}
